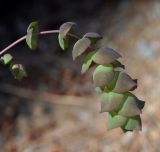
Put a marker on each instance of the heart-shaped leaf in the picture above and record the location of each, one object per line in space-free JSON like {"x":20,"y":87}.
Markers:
{"x":103,"y":75}
{"x":65,"y":29}
{"x":32,"y":35}
{"x":106,"y":56}
{"x":63,"y":36}
{"x":94,"y":37}
{"x":18,"y":71}
{"x":130,"y":107}
{"x":115,"y":120}
{"x":80,"y":47}
{"x":87,"y":61}
{"x":7,"y":59}
{"x":111,"y":102}
{"x":63,"y":42}
{"x":124,"y":83}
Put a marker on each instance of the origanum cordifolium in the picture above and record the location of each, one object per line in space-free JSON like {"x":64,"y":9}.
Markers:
{"x":109,"y":78}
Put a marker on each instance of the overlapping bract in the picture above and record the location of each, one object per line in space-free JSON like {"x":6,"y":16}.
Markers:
{"x":114,"y":85}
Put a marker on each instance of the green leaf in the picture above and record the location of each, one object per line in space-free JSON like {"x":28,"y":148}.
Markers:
{"x":87,"y":61}
{"x":130,"y":107}
{"x":94,"y":37}
{"x":140,"y":103}
{"x":112,"y":84}
{"x":115,"y":120}
{"x":7,"y":59}
{"x":106,"y":56}
{"x":103,"y":75}
{"x":63,"y":36}
{"x":133,"y":123}
{"x":65,"y":29}
{"x":80,"y":47}
{"x":32,"y":35}
{"x":111,"y":102}
{"x":63,"y":42}
{"x":124,"y":83}
{"x":18,"y":71}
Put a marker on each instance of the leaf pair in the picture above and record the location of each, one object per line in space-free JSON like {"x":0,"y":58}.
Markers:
{"x":101,"y":56}
{"x":6,"y":59}
{"x":125,"y":105}
{"x":32,"y":35}
{"x":83,"y":44}
{"x":111,"y":101}
{"x":63,"y":36}
{"x":17,"y":70}
{"x":116,"y":81}
{"x":127,"y":124}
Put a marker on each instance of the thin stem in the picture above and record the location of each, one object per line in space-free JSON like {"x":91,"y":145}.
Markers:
{"x":24,"y":37}
{"x":48,"y":32}
{"x":13,"y":44}
{"x":74,"y":36}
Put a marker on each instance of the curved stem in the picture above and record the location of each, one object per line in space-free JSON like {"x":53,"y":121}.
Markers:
{"x":24,"y":37}
{"x":12,"y":44}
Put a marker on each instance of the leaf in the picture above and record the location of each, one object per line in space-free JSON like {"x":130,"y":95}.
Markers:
{"x":63,"y":42}
{"x":111,"y":102}
{"x":94,"y":37}
{"x":102,"y":75}
{"x":32,"y":35}
{"x":63,"y":36}
{"x":7,"y":59}
{"x":80,"y":47}
{"x":18,"y":71}
{"x":140,"y":103}
{"x":130,"y":107}
{"x":65,"y":29}
{"x":124,"y":83}
{"x":106,"y":56}
{"x":115,"y":120}
{"x":133,"y":123}
{"x":112,"y":84}
{"x":87,"y":61}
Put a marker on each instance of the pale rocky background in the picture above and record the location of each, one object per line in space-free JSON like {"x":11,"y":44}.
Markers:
{"x":56,"y":109}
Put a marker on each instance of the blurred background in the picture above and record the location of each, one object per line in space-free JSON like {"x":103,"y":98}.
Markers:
{"x":55,"y":109}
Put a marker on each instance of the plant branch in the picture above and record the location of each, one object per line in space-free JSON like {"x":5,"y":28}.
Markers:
{"x":24,"y":37}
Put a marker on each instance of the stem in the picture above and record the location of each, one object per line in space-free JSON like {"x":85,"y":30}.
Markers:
{"x":24,"y":37}
{"x":13,"y":44}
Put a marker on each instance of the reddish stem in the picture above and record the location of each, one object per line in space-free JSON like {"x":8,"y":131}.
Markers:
{"x":24,"y":37}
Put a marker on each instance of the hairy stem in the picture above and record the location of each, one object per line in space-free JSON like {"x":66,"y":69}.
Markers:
{"x":24,"y":37}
